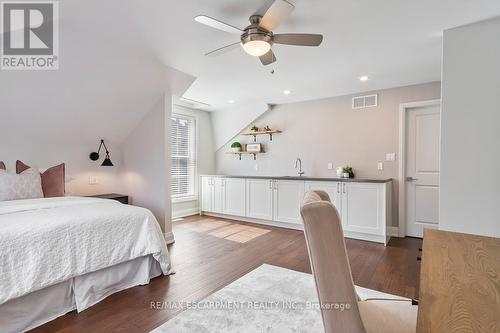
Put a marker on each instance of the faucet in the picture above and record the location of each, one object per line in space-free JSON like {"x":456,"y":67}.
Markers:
{"x":298,"y":162}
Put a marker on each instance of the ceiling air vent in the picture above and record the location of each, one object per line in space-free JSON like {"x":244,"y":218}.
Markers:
{"x":361,"y":102}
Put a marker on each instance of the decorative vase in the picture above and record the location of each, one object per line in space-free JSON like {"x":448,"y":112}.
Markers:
{"x":236,"y":149}
{"x":346,"y":174}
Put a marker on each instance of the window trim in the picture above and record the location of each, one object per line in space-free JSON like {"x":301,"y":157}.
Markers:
{"x":192,"y":196}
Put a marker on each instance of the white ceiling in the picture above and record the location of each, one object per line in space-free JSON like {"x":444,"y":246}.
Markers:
{"x":394,"y":42}
{"x":114,"y":53}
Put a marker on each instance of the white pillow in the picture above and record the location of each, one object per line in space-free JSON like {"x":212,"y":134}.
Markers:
{"x":26,"y":185}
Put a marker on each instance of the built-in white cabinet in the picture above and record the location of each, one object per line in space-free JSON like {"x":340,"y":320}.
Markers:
{"x":233,"y":196}
{"x":364,"y":207}
{"x":206,"y":195}
{"x":211,"y":194}
{"x":333,"y":189}
{"x":217,"y":199}
{"x":260,"y":197}
{"x":288,"y":196}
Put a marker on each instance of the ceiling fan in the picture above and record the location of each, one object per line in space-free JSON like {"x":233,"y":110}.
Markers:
{"x":258,"y":38}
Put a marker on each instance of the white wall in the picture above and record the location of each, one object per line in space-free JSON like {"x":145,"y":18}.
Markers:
{"x":470,"y":120}
{"x":108,"y":82}
{"x":145,"y":165}
{"x":205,"y":156}
{"x":328,"y":130}
{"x":40,"y":153}
{"x":231,"y":121}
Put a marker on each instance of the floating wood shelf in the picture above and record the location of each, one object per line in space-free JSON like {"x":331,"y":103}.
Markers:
{"x":245,"y":153}
{"x":254,"y":134}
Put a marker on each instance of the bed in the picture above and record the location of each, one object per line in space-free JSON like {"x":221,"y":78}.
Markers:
{"x":67,"y":253}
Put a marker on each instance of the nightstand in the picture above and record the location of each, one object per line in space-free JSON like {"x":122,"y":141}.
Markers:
{"x":113,"y":196}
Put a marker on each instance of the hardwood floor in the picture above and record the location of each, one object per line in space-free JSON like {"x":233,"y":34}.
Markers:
{"x":206,"y":263}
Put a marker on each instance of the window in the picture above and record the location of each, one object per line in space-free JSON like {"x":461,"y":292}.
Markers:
{"x":183,"y":137}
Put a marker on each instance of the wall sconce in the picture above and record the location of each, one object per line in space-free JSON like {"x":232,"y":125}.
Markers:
{"x":94,"y":156}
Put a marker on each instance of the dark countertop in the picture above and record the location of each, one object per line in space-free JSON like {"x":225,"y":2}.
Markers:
{"x":346,"y":180}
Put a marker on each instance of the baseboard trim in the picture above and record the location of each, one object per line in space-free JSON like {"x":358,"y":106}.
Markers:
{"x":393,"y":231}
{"x":348,"y":234}
{"x":169,"y":237}
{"x":185,"y":212}
{"x":257,"y":221}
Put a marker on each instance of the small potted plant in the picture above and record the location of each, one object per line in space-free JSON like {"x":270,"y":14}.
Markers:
{"x":236,"y":147}
{"x":254,"y":128}
{"x":347,"y":172}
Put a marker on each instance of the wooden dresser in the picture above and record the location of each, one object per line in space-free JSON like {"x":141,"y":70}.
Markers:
{"x":459,"y":283}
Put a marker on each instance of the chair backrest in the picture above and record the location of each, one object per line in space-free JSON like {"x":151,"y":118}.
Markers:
{"x":330,"y":265}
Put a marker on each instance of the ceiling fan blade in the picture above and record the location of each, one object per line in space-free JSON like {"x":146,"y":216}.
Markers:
{"x":279,"y":11}
{"x":268,"y":58}
{"x":298,"y":39}
{"x":211,"y":22}
{"x":223,"y":49}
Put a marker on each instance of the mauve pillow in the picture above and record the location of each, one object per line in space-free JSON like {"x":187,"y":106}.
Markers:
{"x":2,"y":166}
{"x":52,"y":179}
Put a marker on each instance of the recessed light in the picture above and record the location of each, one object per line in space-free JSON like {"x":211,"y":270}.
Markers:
{"x":230,"y":101}
{"x":364,"y":78}
{"x":287,"y":92}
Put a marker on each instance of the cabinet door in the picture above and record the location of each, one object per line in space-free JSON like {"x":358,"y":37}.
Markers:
{"x":233,"y":191}
{"x":217,"y":188}
{"x":206,"y":194}
{"x":288,"y":195}
{"x":260,"y":198}
{"x":334,"y":190}
{"x":363,"y":208}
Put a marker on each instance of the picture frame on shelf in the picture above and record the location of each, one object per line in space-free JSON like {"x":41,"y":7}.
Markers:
{"x":254,"y":147}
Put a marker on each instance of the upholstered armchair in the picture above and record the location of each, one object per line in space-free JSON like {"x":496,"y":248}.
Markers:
{"x":341,"y":308}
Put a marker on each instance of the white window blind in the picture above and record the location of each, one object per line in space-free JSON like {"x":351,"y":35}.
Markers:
{"x":183,"y":138}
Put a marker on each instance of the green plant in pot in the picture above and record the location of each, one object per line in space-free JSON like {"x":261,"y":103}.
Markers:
{"x":254,"y":128}
{"x":236,"y":147}
{"x":347,"y":172}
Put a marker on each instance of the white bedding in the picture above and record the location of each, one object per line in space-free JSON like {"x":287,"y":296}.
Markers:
{"x":50,"y":240}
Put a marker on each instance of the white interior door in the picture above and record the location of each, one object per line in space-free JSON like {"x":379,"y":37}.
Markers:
{"x":422,"y":169}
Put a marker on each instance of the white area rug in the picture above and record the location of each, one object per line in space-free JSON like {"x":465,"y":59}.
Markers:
{"x":268,"y":299}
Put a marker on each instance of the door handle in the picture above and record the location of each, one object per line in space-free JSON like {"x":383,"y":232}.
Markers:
{"x":411,"y":179}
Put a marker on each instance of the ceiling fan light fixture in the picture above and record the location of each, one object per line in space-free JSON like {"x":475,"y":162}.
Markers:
{"x":256,"y":48}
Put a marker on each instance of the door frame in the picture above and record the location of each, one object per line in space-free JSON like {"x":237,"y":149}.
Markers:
{"x":403,"y":108}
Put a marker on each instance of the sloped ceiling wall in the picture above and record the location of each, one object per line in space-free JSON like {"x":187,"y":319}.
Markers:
{"x":106,"y":84}
{"x":228,"y":123}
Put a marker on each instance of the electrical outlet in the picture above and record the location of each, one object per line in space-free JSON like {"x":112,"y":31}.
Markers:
{"x":330,"y":165}
{"x":93,"y":180}
{"x":390,"y":156}
{"x":380,"y":165}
